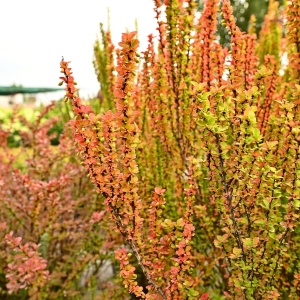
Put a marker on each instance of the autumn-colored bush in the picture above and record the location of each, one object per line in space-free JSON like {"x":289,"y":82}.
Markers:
{"x":52,"y":245}
{"x":198,"y":155}
{"x":193,"y":153}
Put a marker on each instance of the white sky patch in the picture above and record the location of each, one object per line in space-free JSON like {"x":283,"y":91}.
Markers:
{"x":35,"y":35}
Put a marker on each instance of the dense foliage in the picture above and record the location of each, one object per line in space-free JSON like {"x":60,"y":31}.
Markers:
{"x":48,"y":202}
{"x":193,"y":152}
{"x":247,"y":13}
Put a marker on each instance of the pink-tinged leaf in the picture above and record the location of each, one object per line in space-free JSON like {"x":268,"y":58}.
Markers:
{"x":205,"y":296}
{"x":180,"y":222}
{"x":63,"y":78}
{"x":97,"y":216}
{"x":18,"y":241}
{"x":159,"y":191}
{"x":3,"y":226}
{"x":70,"y":79}
{"x":119,"y":94}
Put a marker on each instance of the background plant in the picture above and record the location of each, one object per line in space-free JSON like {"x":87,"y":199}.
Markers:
{"x":56,"y":246}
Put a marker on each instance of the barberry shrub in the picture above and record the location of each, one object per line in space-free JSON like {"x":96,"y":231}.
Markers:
{"x":197,"y":156}
{"x":52,"y":245}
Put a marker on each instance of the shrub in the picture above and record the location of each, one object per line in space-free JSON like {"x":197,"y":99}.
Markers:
{"x":52,"y":245}
{"x":198,"y":156}
{"x":193,"y":153}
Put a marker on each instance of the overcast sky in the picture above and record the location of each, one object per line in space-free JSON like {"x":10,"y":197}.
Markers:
{"x":36,"y":33}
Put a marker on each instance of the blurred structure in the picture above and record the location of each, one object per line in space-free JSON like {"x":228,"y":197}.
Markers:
{"x":10,"y":95}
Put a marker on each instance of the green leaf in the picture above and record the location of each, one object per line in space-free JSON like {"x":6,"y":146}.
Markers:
{"x":296,"y":203}
{"x":180,"y":222}
{"x":272,"y":235}
{"x":260,"y":222}
{"x":192,"y":293}
{"x":243,"y":220}
{"x":197,"y":85}
{"x":266,"y":203}
{"x":251,"y":116}
{"x":236,"y":252}
{"x":275,"y":202}
{"x":222,"y":238}
{"x":210,"y":120}
{"x":247,"y":242}
{"x":256,"y":134}
{"x":167,"y":225}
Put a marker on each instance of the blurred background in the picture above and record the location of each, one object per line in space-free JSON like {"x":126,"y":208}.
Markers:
{"x":36,"y":34}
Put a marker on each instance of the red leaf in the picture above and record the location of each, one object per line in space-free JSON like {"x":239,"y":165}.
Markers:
{"x":63,"y":78}
{"x":97,"y":216}
{"x":159,"y":191}
{"x":205,"y":296}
